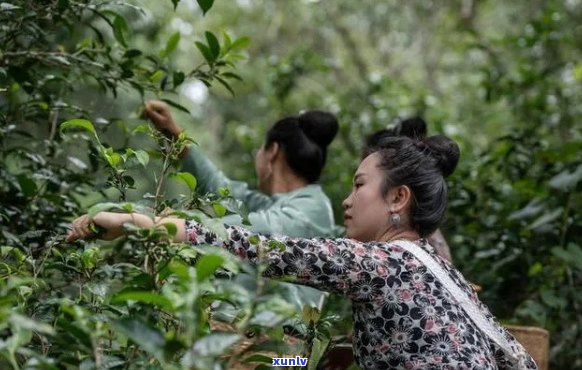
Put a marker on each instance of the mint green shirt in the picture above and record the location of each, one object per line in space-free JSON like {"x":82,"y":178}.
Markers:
{"x":305,"y":212}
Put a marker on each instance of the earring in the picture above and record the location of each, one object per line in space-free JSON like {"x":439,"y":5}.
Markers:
{"x":395,"y":219}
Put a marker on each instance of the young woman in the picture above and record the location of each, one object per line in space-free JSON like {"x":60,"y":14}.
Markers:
{"x":415,"y":128}
{"x":411,"y":308}
{"x":288,"y":165}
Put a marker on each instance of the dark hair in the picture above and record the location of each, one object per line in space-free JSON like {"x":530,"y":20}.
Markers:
{"x":304,"y":140}
{"x":413,"y":127}
{"x":421,"y":165}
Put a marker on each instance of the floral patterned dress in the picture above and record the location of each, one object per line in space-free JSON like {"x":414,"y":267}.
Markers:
{"x":403,"y":317}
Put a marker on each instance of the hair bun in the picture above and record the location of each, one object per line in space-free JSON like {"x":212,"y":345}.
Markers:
{"x":319,"y":126}
{"x":445,"y":151}
{"x":413,"y":127}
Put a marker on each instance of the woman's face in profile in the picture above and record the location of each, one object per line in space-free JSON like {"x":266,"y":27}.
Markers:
{"x":366,"y":211}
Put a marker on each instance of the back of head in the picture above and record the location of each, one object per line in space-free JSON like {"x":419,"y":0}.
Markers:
{"x":304,"y":140}
{"x":422,"y":165}
{"x":413,"y":127}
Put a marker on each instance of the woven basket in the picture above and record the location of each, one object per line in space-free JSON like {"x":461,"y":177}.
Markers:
{"x":535,"y":340}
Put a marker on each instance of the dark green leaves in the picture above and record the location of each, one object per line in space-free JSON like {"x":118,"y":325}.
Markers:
{"x":213,"y":45}
{"x":148,"y":338}
{"x":207,"y":265}
{"x":120,"y":28}
{"x":205,"y":5}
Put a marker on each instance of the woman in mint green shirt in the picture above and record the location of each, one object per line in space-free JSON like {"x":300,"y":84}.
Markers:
{"x":288,"y":166}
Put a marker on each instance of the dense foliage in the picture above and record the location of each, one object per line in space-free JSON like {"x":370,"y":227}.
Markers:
{"x":503,"y":78}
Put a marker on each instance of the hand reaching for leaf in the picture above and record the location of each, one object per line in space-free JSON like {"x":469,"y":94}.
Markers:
{"x":109,"y":225}
{"x":159,"y":113}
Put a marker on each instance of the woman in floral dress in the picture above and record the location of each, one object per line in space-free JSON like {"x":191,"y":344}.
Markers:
{"x":411,"y":308}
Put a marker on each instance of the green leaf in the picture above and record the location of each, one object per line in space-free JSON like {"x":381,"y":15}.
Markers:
{"x":205,"y":52}
{"x":227,"y":42}
{"x":27,"y":185}
{"x":205,"y":5}
{"x":232,"y":75}
{"x":317,"y":351}
{"x":275,"y":244}
{"x":240,"y":43}
{"x":132,"y":53}
{"x":176,"y":105}
{"x":187,"y":178}
{"x":219,"y":209}
{"x":215,"y":343}
{"x":551,"y":299}
{"x":310,"y":314}
{"x":144,"y":297}
{"x":112,"y":158}
{"x":171,"y":45}
{"x":178,"y":78}
{"x":207,"y":265}
{"x":82,"y":123}
{"x":150,"y":339}
{"x":226,"y":85}
{"x":258,"y":358}
{"x":213,"y":44}
{"x":157,"y":76}
{"x":171,"y":228}
{"x":142,"y":157}
{"x":81,"y":334}
{"x":119,"y":28}
{"x":101,"y":207}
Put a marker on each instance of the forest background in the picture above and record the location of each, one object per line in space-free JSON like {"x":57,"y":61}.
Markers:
{"x":502,"y":78}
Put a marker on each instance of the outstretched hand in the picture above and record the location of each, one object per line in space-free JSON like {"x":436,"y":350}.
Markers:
{"x":109,"y":225}
{"x":159,"y":113}
{"x":105,"y":225}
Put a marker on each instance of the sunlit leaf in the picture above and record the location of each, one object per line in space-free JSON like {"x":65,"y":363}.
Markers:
{"x":157,"y":76}
{"x":171,"y":44}
{"x":171,"y":228}
{"x":187,"y":178}
{"x":81,"y":123}
{"x":219,"y":209}
{"x":240,"y":43}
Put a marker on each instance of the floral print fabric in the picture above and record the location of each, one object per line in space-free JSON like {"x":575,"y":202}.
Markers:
{"x":403,"y":318}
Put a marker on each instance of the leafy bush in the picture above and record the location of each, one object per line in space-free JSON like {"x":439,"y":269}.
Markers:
{"x":142,"y":302}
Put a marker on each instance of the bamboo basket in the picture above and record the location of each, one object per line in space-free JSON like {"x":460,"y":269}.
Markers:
{"x":535,"y":340}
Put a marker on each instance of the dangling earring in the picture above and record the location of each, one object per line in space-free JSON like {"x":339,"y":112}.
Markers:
{"x":395,"y":219}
